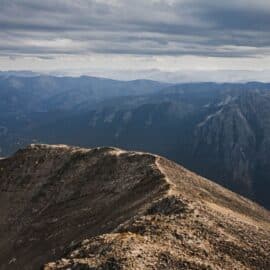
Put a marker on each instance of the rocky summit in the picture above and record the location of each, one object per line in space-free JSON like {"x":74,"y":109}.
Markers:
{"x":71,"y":208}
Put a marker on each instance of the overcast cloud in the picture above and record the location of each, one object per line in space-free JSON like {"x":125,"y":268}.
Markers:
{"x":140,"y":34}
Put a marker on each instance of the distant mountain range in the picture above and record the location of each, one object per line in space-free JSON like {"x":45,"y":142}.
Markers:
{"x":221,"y":131}
{"x":21,"y":73}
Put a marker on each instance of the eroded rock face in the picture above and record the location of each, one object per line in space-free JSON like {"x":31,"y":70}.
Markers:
{"x":106,"y":208}
{"x":231,"y":145}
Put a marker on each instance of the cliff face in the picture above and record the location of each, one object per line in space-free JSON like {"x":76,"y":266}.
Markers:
{"x":234,"y":143}
{"x":106,"y":208}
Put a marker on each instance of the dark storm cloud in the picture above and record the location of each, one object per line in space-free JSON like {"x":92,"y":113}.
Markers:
{"x":243,"y":17}
{"x":154,"y":27}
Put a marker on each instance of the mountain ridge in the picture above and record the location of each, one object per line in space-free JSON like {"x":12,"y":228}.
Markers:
{"x":106,"y":207}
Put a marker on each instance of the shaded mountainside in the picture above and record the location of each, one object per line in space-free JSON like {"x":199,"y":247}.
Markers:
{"x":220,"y":131}
{"x":106,"y":208}
{"x":220,"y":134}
{"x":235,"y":140}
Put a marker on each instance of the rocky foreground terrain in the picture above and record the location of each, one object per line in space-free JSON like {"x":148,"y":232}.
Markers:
{"x":71,"y":208}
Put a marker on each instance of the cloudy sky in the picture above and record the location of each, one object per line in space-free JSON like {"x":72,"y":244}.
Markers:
{"x":177,"y":40}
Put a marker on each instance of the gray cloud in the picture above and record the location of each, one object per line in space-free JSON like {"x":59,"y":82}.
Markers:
{"x":154,"y":27}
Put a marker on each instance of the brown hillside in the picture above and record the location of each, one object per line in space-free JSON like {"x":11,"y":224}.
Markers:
{"x":106,"y":208}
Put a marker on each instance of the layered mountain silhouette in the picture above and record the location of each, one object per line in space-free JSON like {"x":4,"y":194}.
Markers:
{"x":220,"y":131}
{"x":105,"y":208}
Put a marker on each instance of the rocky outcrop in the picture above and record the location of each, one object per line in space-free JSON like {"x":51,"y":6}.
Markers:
{"x":233,"y":143}
{"x":106,"y":208}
